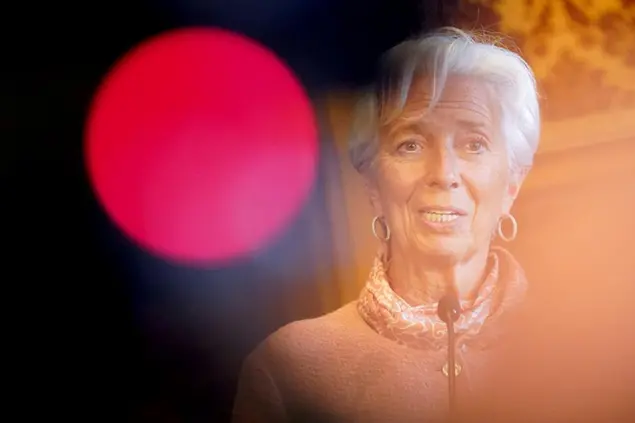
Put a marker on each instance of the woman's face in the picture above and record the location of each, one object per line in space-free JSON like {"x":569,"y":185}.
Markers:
{"x":441,"y":179}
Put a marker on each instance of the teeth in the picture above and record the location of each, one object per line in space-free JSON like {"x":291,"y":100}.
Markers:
{"x":439,"y":216}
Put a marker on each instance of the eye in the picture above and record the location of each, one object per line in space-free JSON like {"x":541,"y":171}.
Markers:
{"x":409,"y":147}
{"x":475,"y":146}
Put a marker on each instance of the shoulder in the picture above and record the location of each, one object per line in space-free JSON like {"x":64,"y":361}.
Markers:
{"x":308,"y":336}
{"x":300,"y":361}
{"x":311,"y":343}
{"x":344,"y":318}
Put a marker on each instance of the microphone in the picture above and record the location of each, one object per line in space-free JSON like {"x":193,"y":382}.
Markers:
{"x":449,"y":311}
{"x":449,"y":308}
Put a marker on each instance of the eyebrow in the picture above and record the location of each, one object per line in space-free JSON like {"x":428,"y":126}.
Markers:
{"x":403,"y":126}
{"x":414,"y":123}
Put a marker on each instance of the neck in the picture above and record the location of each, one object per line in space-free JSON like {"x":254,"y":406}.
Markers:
{"x":425,"y":281}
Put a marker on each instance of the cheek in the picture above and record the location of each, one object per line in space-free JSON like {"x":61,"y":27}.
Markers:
{"x":489,"y":188}
{"x":397,"y":181}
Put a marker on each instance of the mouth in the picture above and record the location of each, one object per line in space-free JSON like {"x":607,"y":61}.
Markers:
{"x":441,"y":215}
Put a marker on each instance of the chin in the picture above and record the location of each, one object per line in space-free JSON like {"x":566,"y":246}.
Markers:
{"x":446,"y":251}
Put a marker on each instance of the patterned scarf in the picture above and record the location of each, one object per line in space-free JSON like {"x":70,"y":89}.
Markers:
{"x":420,"y":327}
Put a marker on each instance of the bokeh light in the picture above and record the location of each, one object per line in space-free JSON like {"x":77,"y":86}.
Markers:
{"x":201,"y":145}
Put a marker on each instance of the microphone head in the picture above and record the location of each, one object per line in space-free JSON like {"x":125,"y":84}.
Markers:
{"x":449,"y":308}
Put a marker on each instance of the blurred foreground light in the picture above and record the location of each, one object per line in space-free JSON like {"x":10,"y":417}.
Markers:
{"x":201,"y":145}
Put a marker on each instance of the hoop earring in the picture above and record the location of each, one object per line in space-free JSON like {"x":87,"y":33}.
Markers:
{"x":386,"y":229}
{"x":502,"y":236}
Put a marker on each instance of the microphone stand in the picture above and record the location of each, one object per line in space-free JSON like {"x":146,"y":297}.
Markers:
{"x":449,"y":310}
{"x":452,"y":370}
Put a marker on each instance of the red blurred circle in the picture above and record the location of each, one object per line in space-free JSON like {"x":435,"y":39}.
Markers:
{"x":201,"y":145}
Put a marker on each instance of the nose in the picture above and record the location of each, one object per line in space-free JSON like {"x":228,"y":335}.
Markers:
{"x":442,"y":169}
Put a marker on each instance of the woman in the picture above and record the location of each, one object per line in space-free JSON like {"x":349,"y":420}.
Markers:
{"x":443,"y":143}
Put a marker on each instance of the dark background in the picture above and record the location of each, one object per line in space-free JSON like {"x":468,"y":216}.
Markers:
{"x":105,"y":331}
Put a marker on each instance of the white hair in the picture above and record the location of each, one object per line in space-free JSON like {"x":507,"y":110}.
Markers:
{"x":436,"y":56}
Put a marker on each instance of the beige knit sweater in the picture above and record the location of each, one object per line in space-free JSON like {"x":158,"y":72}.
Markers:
{"x":578,"y":367}
{"x":336,"y":369}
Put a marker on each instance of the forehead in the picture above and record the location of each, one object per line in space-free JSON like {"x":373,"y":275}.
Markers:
{"x":464,"y":101}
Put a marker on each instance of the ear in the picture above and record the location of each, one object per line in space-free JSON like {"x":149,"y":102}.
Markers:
{"x":370,"y":187}
{"x":516,"y":182}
